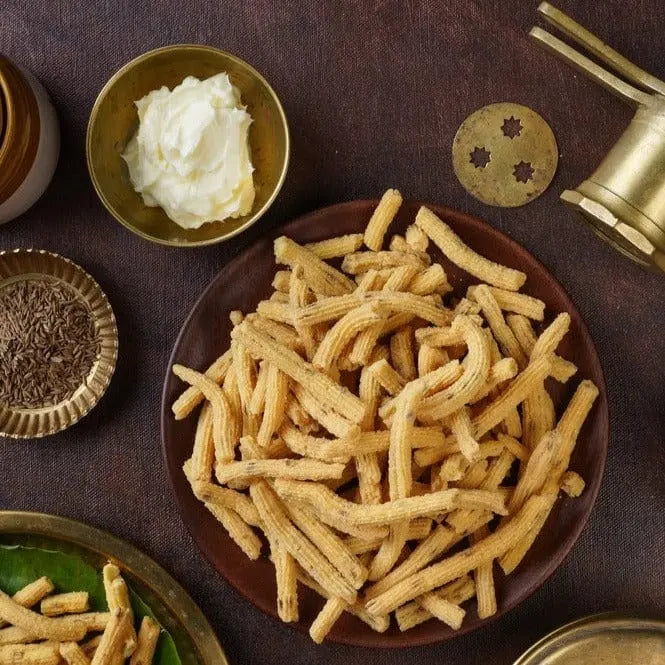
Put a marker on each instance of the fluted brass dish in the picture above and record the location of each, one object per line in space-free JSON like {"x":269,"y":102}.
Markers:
{"x":28,"y":423}
{"x":114,"y":120}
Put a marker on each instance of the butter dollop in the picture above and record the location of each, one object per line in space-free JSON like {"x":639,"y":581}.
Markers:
{"x":190,"y":154}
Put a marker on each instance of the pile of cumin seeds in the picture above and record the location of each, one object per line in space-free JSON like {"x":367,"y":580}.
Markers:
{"x":48,"y":343}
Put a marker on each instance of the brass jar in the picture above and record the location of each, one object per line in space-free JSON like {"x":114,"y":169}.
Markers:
{"x":29,"y":140}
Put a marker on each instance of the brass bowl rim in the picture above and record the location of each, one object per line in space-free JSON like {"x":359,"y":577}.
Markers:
{"x":146,"y":56}
{"x":170,"y":593}
{"x":108,"y":355}
{"x":606,"y":620}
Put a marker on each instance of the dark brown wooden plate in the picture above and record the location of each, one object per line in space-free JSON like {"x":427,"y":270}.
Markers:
{"x":245,"y":281}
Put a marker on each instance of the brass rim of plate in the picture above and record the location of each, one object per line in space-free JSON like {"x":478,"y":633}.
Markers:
{"x":178,"y":605}
{"x":20,"y":264}
{"x":605,"y":638}
{"x":505,"y":155}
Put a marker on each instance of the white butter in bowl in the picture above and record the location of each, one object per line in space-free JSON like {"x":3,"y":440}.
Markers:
{"x":190,"y":154}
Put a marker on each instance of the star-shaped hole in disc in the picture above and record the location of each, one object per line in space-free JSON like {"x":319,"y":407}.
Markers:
{"x":480,"y":157}
{"x":523,"y":172}
{"x":511,"y":127}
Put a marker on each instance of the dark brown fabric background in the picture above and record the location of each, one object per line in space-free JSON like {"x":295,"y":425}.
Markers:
{"x":374,"y":92}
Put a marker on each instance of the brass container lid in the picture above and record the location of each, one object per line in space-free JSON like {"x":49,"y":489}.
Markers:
{"x":19,"y":128}
{"x":607,"y":638}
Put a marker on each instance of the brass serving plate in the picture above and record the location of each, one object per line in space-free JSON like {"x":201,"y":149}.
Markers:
{"x":505,"y":154}
{"x":195,"y":639}
{"x":607,"y":638}
{"x":113,"y":121}
{"x":20,"y":264}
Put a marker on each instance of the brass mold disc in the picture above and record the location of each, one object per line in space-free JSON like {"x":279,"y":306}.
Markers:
{"x":505,"y":155}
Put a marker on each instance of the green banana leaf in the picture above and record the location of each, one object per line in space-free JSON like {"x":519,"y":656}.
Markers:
{"x":20,"y":565}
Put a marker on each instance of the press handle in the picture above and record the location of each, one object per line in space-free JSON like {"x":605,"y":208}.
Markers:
{"x":588,"y":67}
{"x":600,"y":50}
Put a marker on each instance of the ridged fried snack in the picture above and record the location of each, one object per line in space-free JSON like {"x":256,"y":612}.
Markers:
{"x":370,"y":422}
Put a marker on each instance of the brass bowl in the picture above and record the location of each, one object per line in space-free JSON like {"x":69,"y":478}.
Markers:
{"x":32,"y":423}
{"x":113,"y":121}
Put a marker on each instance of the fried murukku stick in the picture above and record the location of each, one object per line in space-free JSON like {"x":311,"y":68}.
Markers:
{"x":430,"y":358}
{"x":416,"y":238}
{"x":484,"y":579}
{"x":273,"y":310}
{"x":501,"y":371}
{"x":442,"y":609}
{"x":232,"y":394}
{"x":360,"y":262}
{"x":73,"y":602}
{"x":282,"y":281}
{"x":325,"y":414}
{"x":572,"y":484}
{"x":286,"y":579}
{"x":245,"y":370}
{"x":562,"y":370}
{"x":192,"y":397}
{"x":238,"y":529}
{"x":29,"y":654}
{"x":277,"y":390}
{"x":419,"y":529}
{"x":73,"y":654}
{"x":518,"y":390}
{"x":412,"y":614}
{"x":332,"y":248}
{"x":281,"y":529}
{"x":502,"y":333}
{"x":538,"y":417}
{"x":282,"y":333}
{"x":329,"y":309}
{"x":460,"y":424}
{"x":35,"y":624}
{"x":320,"y":277}
{"x":463,"y":562}
{"x":330,"y":545}
{"x":402,"y":353}
{"x":297,"y":469}
{"x":199,"y":466}
{"x":367,"y":464}
{"x":326,"y":619}
{"x":438,"y":541}
{"x":344,"y":330}
{"x":146,"y":643}
{"x":550,"y":338}
{"x":476,"y":370}
{"x":227,"y":498}
{"x":327,"y":391}
{"x":111,"y":646}
{"x":386,"y":375}
{"x":336,"y":511}
{"x":431,"y":280}
{"x":428,"y":456}
{"x":222,"y":422}
{"x":464,"y":257}
{"x":314,"y":447}
{"x":377,"y":624}
{"x":401,"y":277}
{"x":257,"y":402}
{"x":439,"y":336}
{"x":117,"y":598}
{"x":32,"y":593}
{"x":299,"y":296}
{"x":383,"y":215}
{"x":519,"y":303}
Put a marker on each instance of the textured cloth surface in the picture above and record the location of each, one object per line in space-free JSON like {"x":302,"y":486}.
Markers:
{"x":374,"y":92}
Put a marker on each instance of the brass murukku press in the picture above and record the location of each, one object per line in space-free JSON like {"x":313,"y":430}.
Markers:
{"x":624,"y":199}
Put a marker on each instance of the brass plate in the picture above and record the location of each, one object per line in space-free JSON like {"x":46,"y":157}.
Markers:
{"x":607,"y":639}
{"x":505,"y":155}
{"x":20,"y":264}
{"x":194,"y":637}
